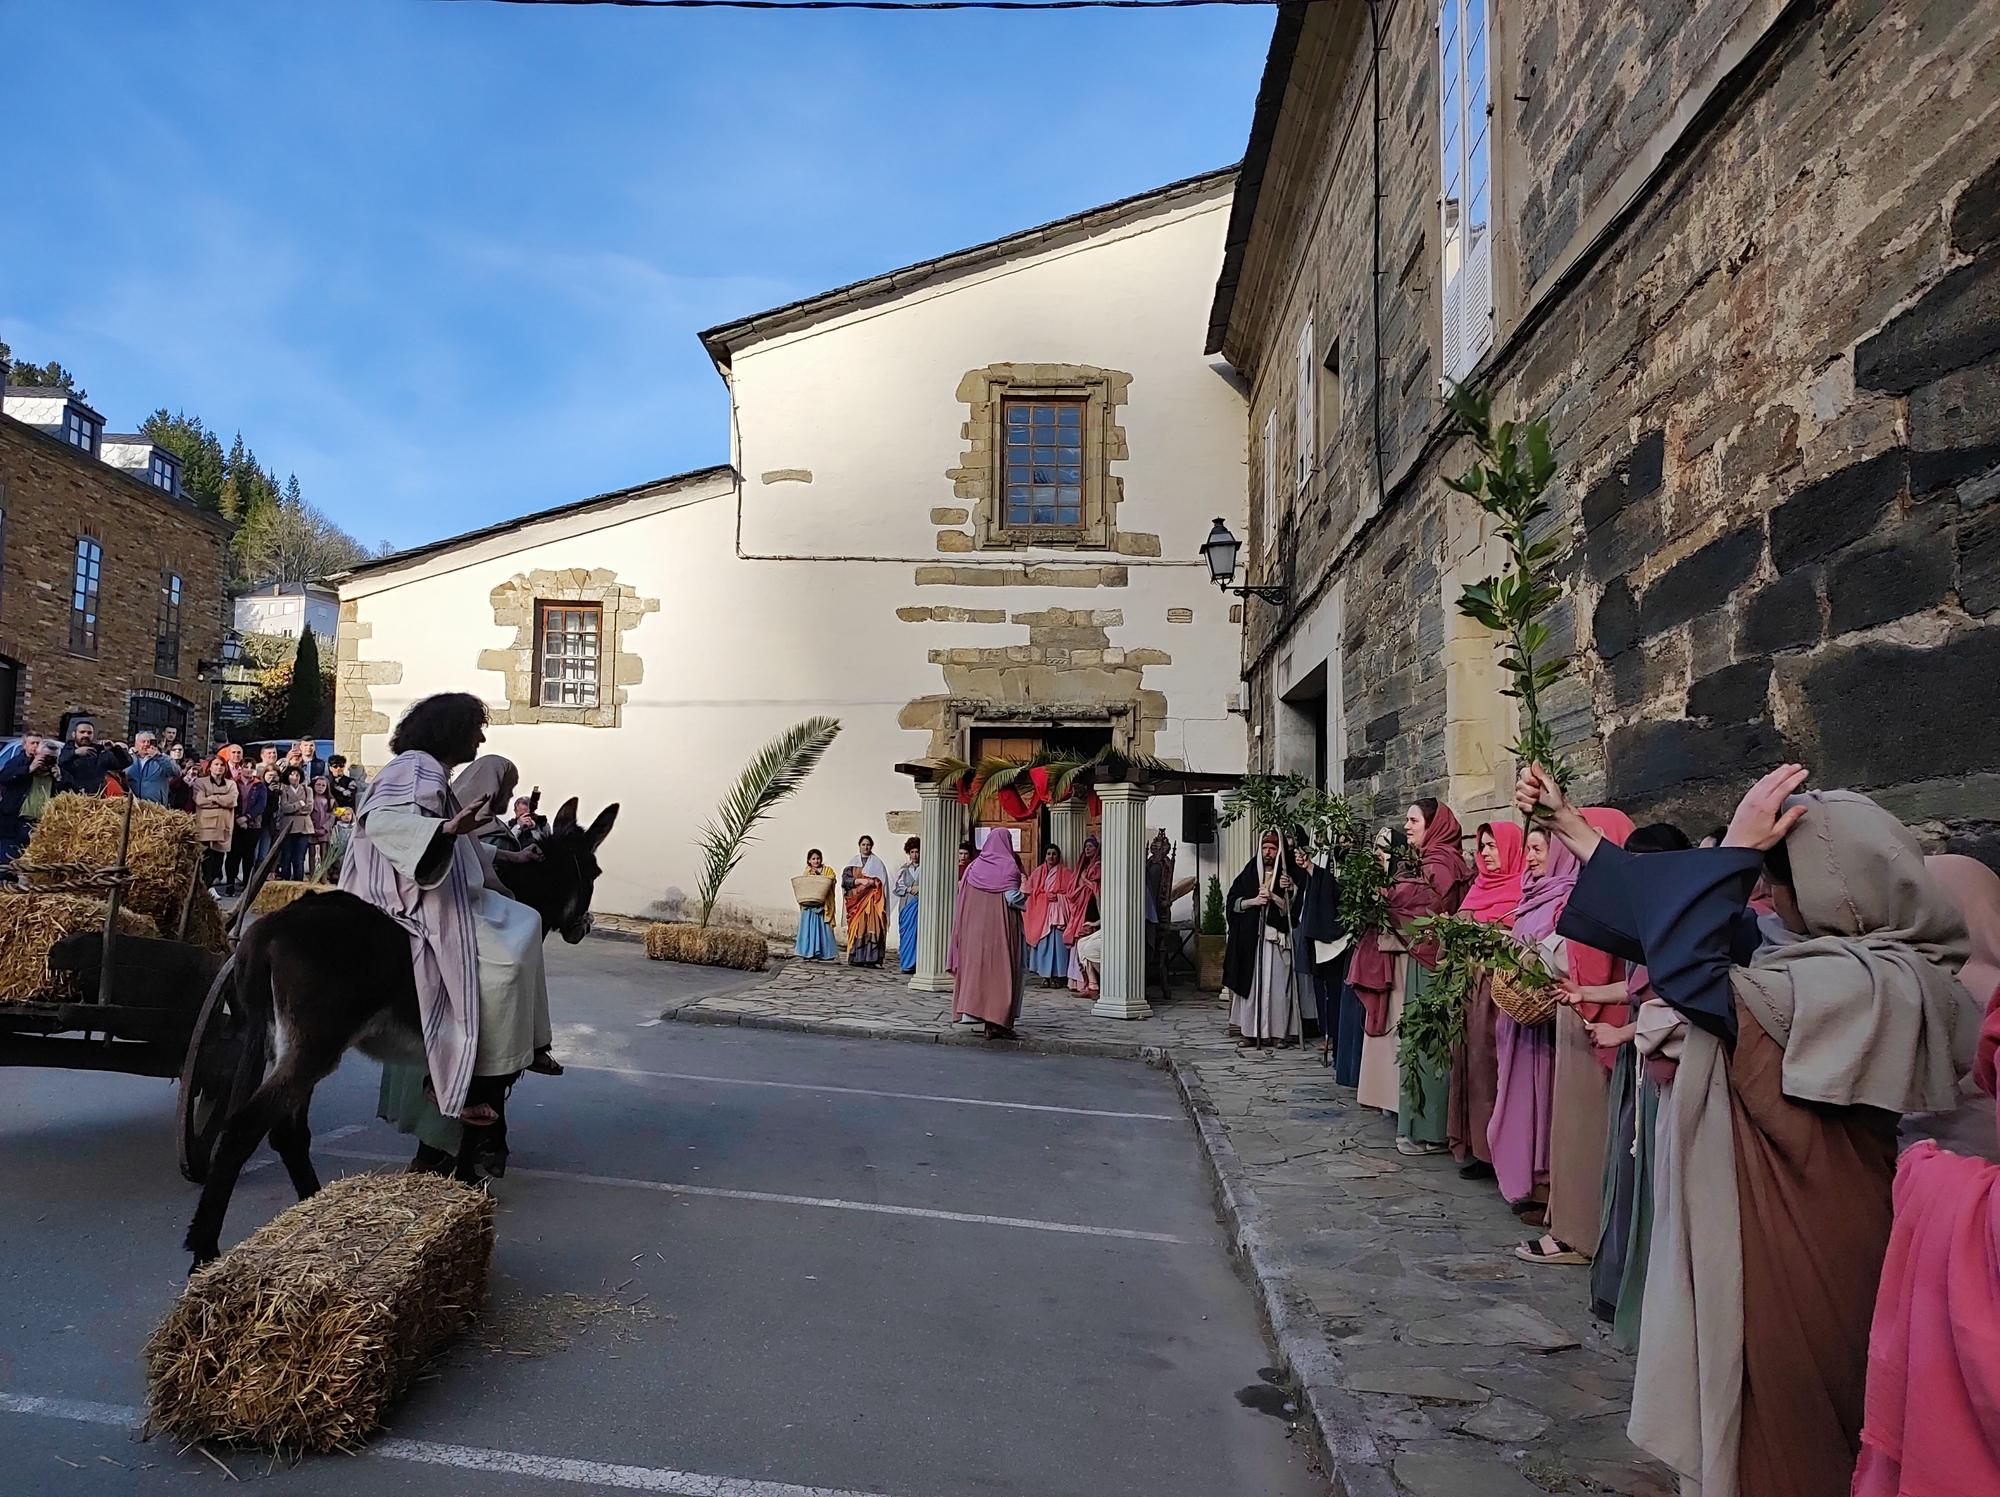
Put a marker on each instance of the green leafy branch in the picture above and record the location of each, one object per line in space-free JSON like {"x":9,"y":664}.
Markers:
{"x":1510,"y":482}
{"x":1433,"y":1024}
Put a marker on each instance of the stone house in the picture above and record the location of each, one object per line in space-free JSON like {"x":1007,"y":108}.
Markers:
{"x":1745,"y":254}
{"x":961,"y":514}
{"x":284,"y":608}
{"x":112,"y":584}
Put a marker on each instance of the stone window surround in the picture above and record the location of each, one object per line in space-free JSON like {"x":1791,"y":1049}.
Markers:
{"x":980,"y":476}
{"x":516,"y":604}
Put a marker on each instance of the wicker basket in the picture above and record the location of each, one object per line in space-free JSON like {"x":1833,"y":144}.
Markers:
{"x":1523,"y":1004}
{"x":811,"y":889}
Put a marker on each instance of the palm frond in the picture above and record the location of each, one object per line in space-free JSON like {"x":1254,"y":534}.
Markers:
{"x":994,"y":775}
{"x":951,"y":772}
{"x":776,"y":771}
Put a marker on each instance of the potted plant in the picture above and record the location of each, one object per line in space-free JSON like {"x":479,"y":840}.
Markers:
{"x":1212,"y":937}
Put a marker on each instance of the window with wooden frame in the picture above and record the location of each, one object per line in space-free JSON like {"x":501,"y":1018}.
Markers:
{"x":1036,"y":470}
{"x":167,"y":633}
{"x":1042,"y":448}
{"x":569,"y":639}
{"x":85,"y":579}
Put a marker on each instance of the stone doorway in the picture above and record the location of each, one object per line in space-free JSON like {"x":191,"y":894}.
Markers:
{"x":1018,"y":741}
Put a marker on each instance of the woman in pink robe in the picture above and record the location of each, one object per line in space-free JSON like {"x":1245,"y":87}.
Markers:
{"x":1932,"y":1422}
{"x":986,"y":938}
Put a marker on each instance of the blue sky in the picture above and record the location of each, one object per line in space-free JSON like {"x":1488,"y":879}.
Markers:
{"x":447,"y":261}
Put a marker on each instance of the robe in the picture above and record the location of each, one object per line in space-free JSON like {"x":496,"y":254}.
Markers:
{"x":1782,"y":1133}
{"x":481,"y":992}
{"x":1257,"y":971}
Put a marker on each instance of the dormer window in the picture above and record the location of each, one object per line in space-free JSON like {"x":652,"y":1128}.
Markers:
{"x":165,"y":473}
{"x":81,"y":430}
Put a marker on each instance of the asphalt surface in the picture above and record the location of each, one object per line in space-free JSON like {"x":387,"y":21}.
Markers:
{"x":862,"y":1282}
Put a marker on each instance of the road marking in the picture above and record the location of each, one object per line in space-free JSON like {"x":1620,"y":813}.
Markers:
{"x":830,"y":1203}
{"x":76,"y":1410}
{"x":860,"y":1091}
{"x":474,"y":1457}
{"x":265,"y":1161}
{"x":594,"y":1473}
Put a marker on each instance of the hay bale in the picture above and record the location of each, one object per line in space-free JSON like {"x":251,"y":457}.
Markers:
{"x":299,"y":1337}
{"x":710,"y":946}
{"x":32,"y":923}
{"x":205,"y":924}
{"x":279,"y":892}
{"x":163,"y":854}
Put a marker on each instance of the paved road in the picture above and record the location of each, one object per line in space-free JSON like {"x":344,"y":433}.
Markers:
{"x":886,"y":1269}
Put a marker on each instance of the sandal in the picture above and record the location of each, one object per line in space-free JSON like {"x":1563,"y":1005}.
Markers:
{"x":1565,"y":1255}
{"x":478,"y":1115}
{"x":545,"y":1063}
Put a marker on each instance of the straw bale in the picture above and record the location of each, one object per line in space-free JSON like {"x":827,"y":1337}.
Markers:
{"x":300,"y":1336}
{"x":32,"y":923}
{"x":162,"y":856}
{"x":709,"y":946}
{"x":279,"y":892}
{"x":205,"y":925}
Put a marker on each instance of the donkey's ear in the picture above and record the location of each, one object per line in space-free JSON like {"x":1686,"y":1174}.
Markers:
{"x":601,"y":828}
{"x":565,"y":817}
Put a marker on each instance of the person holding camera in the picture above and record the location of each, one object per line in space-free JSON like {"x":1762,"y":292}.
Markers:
{"x":84,"y":763}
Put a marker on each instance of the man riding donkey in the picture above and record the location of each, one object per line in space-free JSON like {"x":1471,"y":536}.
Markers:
{"x":416,"y":854}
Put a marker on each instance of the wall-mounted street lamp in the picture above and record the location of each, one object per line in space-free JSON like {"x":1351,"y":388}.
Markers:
{"x":225,"y":672}
{"x":1220,"y":551}
{"x":231,"y":652}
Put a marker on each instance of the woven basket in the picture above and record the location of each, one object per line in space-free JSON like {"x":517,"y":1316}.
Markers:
{"x":1523,"y":1004}
{"x":811,"y":889}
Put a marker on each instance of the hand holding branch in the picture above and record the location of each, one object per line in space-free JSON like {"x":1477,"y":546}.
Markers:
{"x":1536,"y":793}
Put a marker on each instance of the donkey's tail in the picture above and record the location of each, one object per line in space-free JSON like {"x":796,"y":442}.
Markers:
{"x":256,"y":1008}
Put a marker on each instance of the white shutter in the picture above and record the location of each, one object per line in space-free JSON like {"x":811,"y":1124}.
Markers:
{"x":1304,"y":437}
{"x":1475,"y":312}
{"x":1270,"y":471}
{"x":1451,"y":363}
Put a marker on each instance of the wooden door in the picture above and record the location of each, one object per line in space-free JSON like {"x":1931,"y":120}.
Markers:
{"x":1006,"y":743}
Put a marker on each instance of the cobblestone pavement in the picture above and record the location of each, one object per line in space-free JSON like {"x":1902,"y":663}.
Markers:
{"x":1429,"y":1360}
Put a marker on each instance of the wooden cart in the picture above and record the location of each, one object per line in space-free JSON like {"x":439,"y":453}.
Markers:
{"x":160,"y":1007}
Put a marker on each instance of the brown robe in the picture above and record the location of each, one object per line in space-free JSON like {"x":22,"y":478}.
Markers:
{"x":1475,"y":1079}
{"x":1806,"y":1174}
{"x":1577,"y":1132}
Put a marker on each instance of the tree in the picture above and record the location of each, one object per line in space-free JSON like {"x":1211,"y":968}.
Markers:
{"x":289,"y":543}
{"x":199,"y":450}
{"x":49,"y":376}
{"x":780,"y":767}
{"x":1510,"y":484}
{"x":303,"y":703}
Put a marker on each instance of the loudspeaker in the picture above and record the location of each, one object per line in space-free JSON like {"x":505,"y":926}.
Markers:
{"x":1198,"y":819}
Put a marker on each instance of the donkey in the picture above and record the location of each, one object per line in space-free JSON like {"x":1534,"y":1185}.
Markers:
{"x":331,"y":973}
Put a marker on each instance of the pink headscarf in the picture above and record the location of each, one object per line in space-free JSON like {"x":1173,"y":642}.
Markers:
{"x":995,"y":869}
{"x":1544,"y":894}
{"x":1494,"y":896}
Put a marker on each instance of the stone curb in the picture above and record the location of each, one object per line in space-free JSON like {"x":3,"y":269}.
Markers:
{"x":1334,"y":1421}
{"x":1335,"y":1424}
{"x":694,"y":1013}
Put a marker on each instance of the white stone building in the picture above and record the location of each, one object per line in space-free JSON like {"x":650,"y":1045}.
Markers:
{"x":865,"y":556}
{"x":283,"y":608}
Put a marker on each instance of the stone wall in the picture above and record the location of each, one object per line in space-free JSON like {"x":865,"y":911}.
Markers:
{"x":1774,"y":399}
{"x":50,"y":494}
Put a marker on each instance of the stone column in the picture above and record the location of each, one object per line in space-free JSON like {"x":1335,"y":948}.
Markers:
{"x":1123,"y":904}
{"x":1239,"y":845}
{"x":942,"y":828}
{"x":1069,"y":824}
